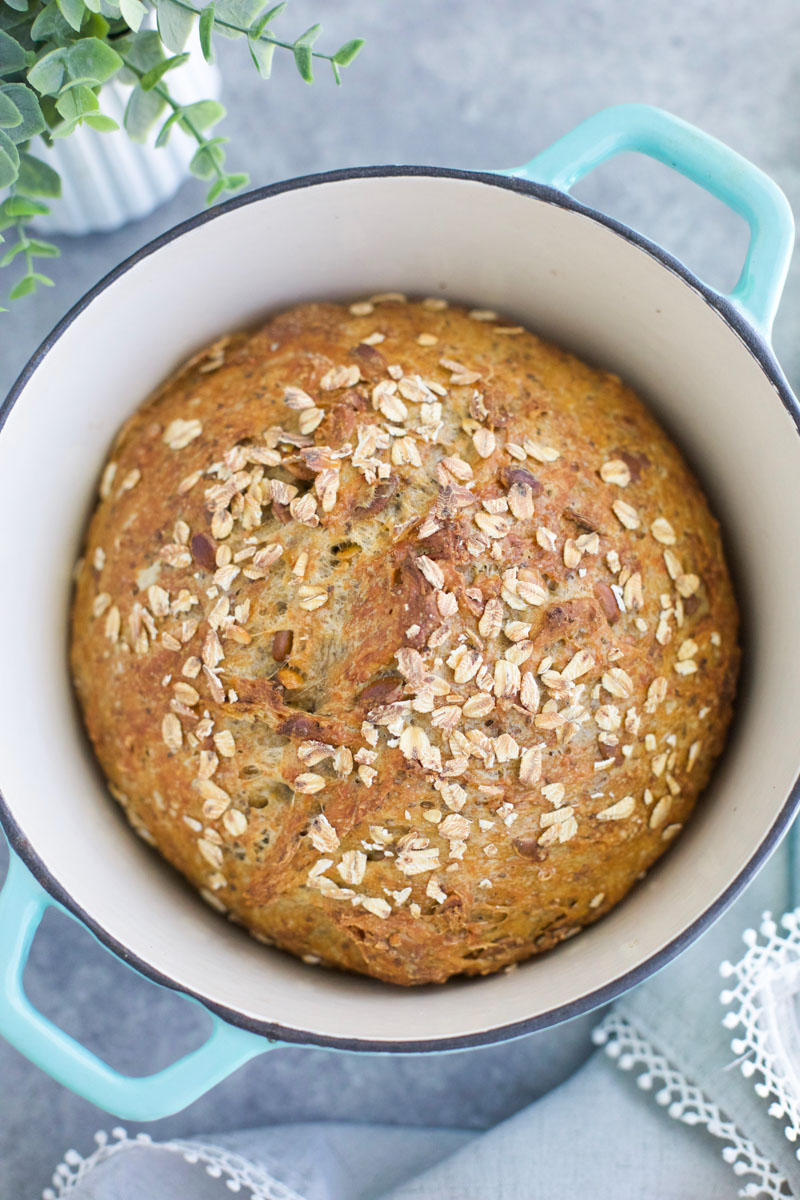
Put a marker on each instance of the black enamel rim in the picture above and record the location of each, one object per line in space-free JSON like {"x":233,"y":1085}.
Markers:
{"x":763,"y":354}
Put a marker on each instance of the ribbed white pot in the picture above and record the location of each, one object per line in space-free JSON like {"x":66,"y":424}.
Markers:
{"x":108,"y":180}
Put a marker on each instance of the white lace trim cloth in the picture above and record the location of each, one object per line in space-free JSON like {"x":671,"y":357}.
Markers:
{"x":686,"y":1102}
{"x":763,"y":1008}
{"x":239,"y":1174}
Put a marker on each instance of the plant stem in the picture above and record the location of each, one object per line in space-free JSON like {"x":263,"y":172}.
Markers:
{"x":22,"y":237}
{"x":241,"y":29}
{"x":184,"y":121}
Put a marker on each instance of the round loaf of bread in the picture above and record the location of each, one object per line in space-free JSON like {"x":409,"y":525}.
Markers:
{"x":406,"y":636}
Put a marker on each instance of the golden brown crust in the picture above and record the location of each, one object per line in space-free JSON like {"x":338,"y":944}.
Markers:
{"x":481,"y":688}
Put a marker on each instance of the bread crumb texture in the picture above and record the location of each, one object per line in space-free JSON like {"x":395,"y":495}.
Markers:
{"x":406,"y":636}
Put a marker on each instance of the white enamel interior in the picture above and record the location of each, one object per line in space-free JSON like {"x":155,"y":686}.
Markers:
{"x":561,"y":273}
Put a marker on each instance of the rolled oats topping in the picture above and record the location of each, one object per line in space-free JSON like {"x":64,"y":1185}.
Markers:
{"x":403,"y":629}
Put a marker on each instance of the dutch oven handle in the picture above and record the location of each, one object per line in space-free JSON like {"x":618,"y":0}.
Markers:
{"x":704,"y":160}
{"x":23,"y":902}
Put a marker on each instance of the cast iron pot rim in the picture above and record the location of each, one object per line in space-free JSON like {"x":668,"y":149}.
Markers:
{"x":763,"y":354}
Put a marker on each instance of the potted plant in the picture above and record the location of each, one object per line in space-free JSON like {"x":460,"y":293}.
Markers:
{"x":58,"y":58}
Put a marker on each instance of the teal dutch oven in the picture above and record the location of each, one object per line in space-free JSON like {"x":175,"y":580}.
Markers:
{"x":513,"y":241}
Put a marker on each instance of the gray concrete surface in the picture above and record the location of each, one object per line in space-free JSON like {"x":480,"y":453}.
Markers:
{"x":463,"y":84}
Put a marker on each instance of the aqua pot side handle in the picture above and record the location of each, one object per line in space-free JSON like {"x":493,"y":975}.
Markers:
{"x":706,"y":161}
{"x":147,"y":1098}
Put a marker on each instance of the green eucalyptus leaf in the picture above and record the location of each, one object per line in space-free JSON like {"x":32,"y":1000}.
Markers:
{"x":10,"y":116}
{"x":77,"y":103}
{"x":48,"y":104}
{"x":18,"y":5}
{"x":133,"y":12}
{"x":11,"y":20}
{"x":11,"y":254}
{"x":142,"y":112}
{"x":9,"y":160}
{"x":216,"y":189}
{"x":24,"y":206}
{"x":25,"y":287}
{"x":37,"y":178}
{"x":142,"y":50}
{"x":226,"y":183}
{"x":240,"y":13}
{"x":303,"y":62}
{"x":151,"y":77}
{"x":205,"y":29}
{"x":262,"y":54}
{"x":203,"y":114}
{"x":101,"y":122}
{"x":346,"y":53}
{"x":63,"y":129}
{"x":45,"y":279}
{"x":207,"y":161}
{"x":41,"y":28}
{"x":166,"y":129}
{"x":47,"y":74}
{"x":12,"y":55}
{"x":97,"y":26}
{"x":92,"y":61}
{"x":50,"y":26}
{"x":73,"y":12}
{"x":258,"y":27}
{"x":275,"y":12}
{"x":309,"y":37}
{"x":27,"y":105}
{"x":44,"y":249}
{"x":174,"y":24}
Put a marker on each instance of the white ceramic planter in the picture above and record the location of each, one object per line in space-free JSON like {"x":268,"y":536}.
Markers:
{"x":108,"y":180}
